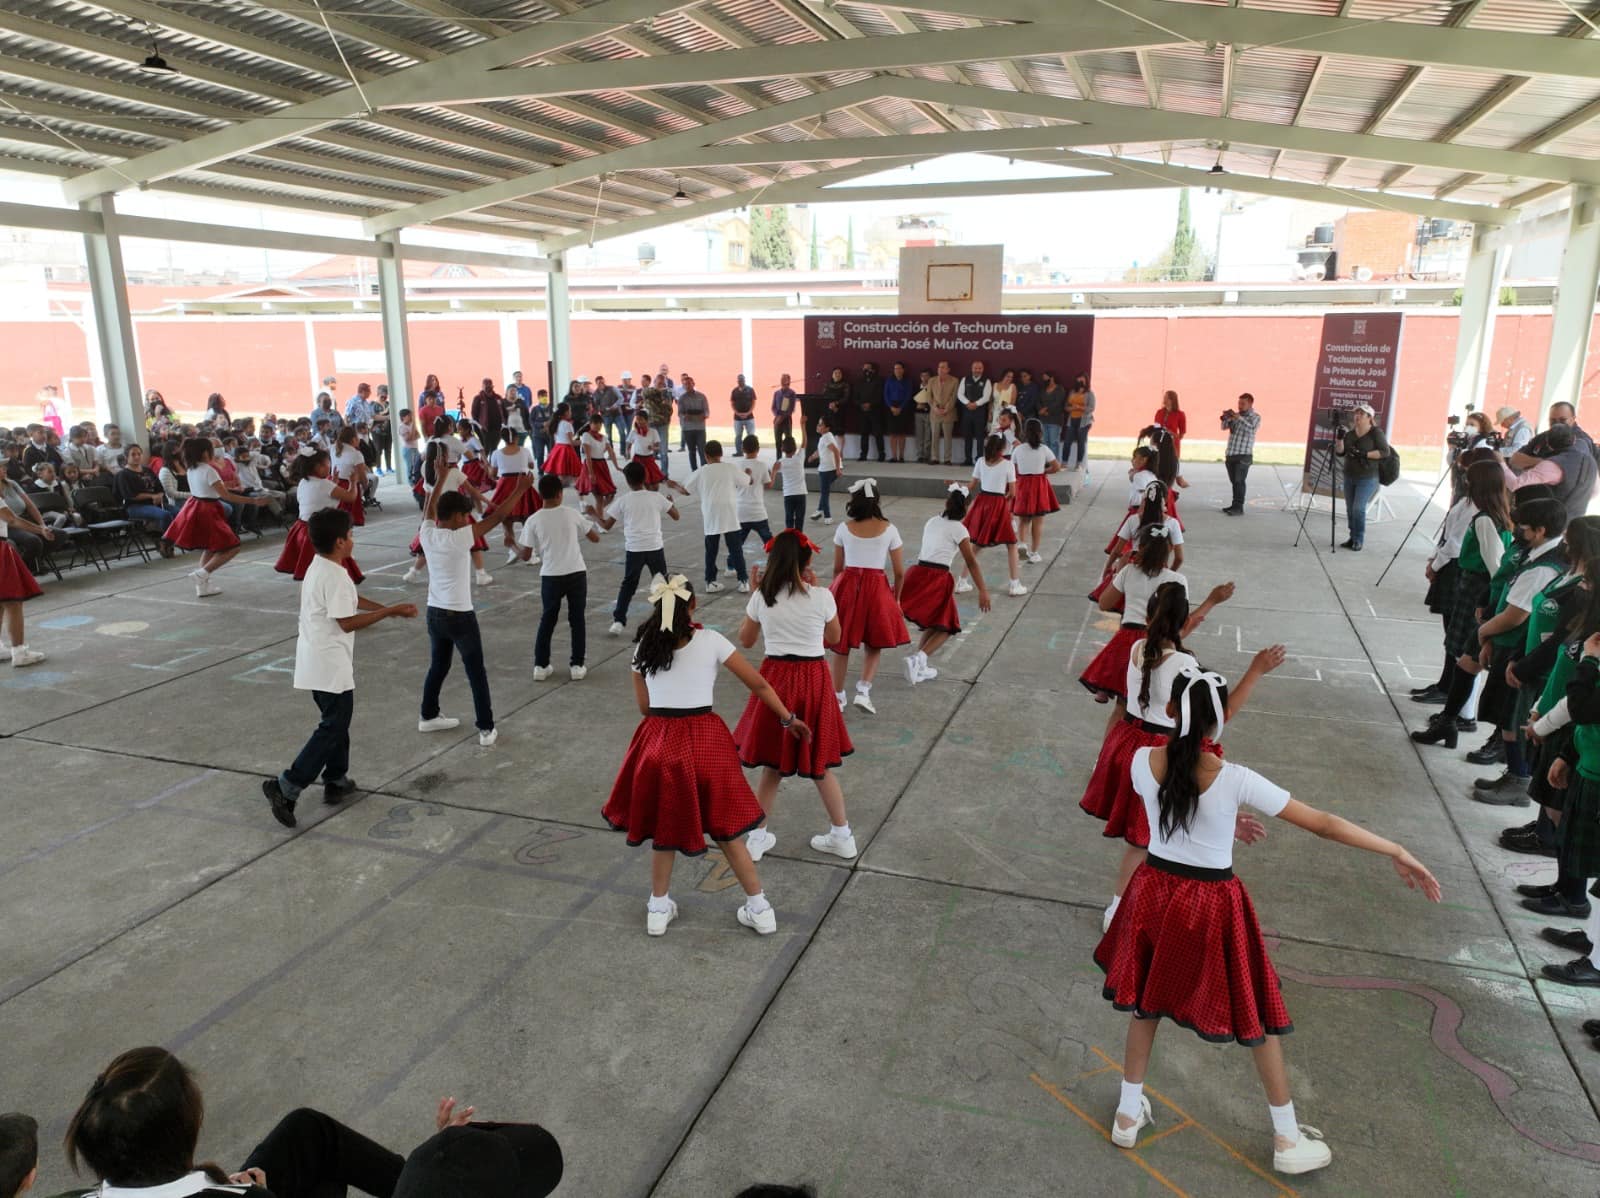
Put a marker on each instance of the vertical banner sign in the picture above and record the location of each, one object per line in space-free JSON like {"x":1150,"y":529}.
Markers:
{"x":1064,"y":344}
{"x":1358,"y":364}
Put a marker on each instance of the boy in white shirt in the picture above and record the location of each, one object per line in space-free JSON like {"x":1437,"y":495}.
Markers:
{"x":447,"y":536}
{"x":643,"y":544}
{"x":791,"y":468}
{"x":829,"y":459}
{"x":752,"y":500}
{"x":719,"y":484}
{"x":331,"y":612}
{"x":553,"y":532}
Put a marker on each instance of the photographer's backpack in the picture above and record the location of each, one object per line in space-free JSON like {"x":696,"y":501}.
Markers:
{"x":1389,"y":467}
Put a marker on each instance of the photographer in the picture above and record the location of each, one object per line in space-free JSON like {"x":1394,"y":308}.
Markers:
{"x":1241,"y":426}
{"x":1362,"y":447}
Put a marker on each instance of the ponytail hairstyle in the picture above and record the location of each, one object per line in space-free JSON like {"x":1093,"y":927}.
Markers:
{"x":993,"y":446}
{"x":1033,"y":433}
{"x":1165,"y":616}
{"x":441,"y":426}
{"x":863,"y":502}
{"x":1198,"y":697}
{"x":1166,"y":461}
{"x":306,"y":464}
{"x":955,"y":503}
{"x":657,"y":640}
{"x":140,"y":1122}
{"x":195,"y":451}
{"x":1144,"y":458}
{"x":787,"y":559}
{"x":508,"y":436}
{"x":1153,"y":508}
{"x":563,"y":412}
{"x":431,"y":469}
{"x":347,"y":436}
{"x":1154,"y":549}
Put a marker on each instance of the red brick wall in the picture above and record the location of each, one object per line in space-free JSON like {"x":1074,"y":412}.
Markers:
{"x":1380,"y":241}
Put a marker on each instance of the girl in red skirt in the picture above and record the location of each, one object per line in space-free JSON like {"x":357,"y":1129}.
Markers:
{"x":202,"y":524}
{"x":1185,"y":945}
{"x":644,"y":444}
{"x":598,"y":457}
{"x":314,"y":492}
{"x":928,"y":597}
{"x":350,"y":471}
{"x":989,"y":517}
{"x":436,"y":466}
{"x":17,"y":586}
{"x":1034,"y":497}
{"x":562,"y":460}
{"x":473,"y":466}
{"x":1152,"y":509}
{"x":680,"y":781}
{"x":869,"y":609}
{"x":796,"y":617}
{"x":507,"y":466}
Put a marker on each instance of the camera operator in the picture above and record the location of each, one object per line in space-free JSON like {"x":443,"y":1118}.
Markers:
{"x":1566,"y":470}
{"x":1362,"y":447}
{"x":1518,"y":431}
{"x":1241,"y":426}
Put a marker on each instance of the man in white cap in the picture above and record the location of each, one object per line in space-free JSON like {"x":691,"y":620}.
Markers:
{"x":1518,"y":431}
{"x":627,"y":404}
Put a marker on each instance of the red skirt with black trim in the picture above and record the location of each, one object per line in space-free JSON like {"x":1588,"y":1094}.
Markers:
{"x":928,"y":599}
{"x":652,"y":469}
{"x":17,"y":582}
{"x":202,"y":524}
{"x":1108,"y":672}
{"x":353,"y":508}
{"x":598,"y":480}
{"x":806,"y":688}
{"x":868,"y":614}
{"x":1191,"y":951}
{"x":1034,"y":496}
{"x":525,"y":507}
{"x":562,"y":461}
{"x":1110,"y":795}
{"x":475,"y":472}
{"x":298,"y":551}
{"x":681,"y":782}
{"x":988,"y":521}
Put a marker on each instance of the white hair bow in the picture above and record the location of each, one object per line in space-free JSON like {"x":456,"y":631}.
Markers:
{"x":962,"y":487}
{"x":869,"y":485}
{"x":1214,"y":684}
{"x":1155,"y":490}
{"x":306,"y":451}
{"x":1155,"y":530}
{"x":667,"y":592}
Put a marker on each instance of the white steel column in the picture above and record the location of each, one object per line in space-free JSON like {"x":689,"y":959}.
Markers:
{"x":392,"y":309}
{"x":113,"y":322}
{"x":1575,"y":299}
{"x":558,"y":320}
{"x":1480,"y":303}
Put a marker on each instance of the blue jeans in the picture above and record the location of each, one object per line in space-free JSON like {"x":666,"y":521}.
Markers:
{"x":159,"y":516}
{"x":824,"y":485}
{"x":694,"y":444}
{"x":761,"y":528}
{"x":1077,"y":437}
{"x":541,"y":448}
{"x":635,"y":562}
{"x":743,"y":426}
{"x":1052,"y":439}
{"x":794,"y":511}
{"x":451,"y":632}
{"x":413,"y":463}
{"x":553,"y":588}
{"x":328,"y":751}
{"x":621,"y":424}
{"x":735,"y":544}
{"x":1358,"y":492}
{"x":662,"y":431}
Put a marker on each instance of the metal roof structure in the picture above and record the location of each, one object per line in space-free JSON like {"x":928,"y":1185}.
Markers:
{"x":561,"y":121}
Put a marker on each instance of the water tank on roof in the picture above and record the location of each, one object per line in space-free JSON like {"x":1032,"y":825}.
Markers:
{"x":1322,"y":235}
{"x":647,"y":253}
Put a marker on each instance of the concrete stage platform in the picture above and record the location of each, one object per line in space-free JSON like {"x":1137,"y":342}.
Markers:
{"x":928,"y":1019}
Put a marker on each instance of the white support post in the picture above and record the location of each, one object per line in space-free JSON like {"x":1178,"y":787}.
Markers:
{"x":1480,"y":303}
{"x":392,"y":308}
{"x":113,"y":321}
{"x":558,"y":320}
{"x":1575,"y":299}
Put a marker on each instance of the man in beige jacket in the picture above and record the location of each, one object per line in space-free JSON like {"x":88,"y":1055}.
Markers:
{"x":943,"y":413}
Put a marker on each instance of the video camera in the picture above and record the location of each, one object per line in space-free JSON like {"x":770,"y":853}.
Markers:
{"x":1459,"y":439}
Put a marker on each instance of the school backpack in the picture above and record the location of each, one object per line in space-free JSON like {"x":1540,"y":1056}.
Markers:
{"x":1389,"y":467}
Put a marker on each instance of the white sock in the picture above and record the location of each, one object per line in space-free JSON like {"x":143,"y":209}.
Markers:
{"x":1131,"y":1103}
{"x":1469,"y":709}
{"x":661,"y":903}
{"x":757,"y":903}
{"x":1116,"y":901}
{"x":864,"y":688}
{"x":202,"y":574}
{"x":1283,"y":1122}
{"x":839,"y":831}
{"x":840,"y":695}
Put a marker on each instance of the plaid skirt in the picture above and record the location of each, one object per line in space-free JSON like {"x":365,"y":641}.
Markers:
{"x":1539,"y":788}
{"x":1461,"y":625}
{"x":1441,"y":591}
{"x":1579,"y":830}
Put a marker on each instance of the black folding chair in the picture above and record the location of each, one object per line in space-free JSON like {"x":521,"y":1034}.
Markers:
{"x":108,"y":521}
{"x":76,"y":540}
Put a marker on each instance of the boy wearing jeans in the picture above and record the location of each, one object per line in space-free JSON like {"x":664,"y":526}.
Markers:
{"x":447,"y":536}
{"x":643,"y":544}
{"x":719,"y":484}
{"x":331,"y":612}
{"x":752,"y":500}
{"x":791,"y":468}
{"x":830,"y":465}
{"x":552,"y":532}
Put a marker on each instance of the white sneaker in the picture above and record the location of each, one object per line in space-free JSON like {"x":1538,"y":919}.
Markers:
{"x":839,"y":695}
{"x":205,"y":588}
{"x":531,"y":560}
{"x":1035,"y":558}
{"x":578,"y":673}
{"x":827,"y":843}
{"x":1305,"y":1154}
{"x":655,"y":922}
{"x":963,"y":586}
{"x":713,"y":586}
{"x":512,"y":557}
{"x":744,"y":588}
{"x":439,"y":723}
{"x":730,"y":572}
{"x":615,"y":629}
{"x":5,"y":651}
{"x":411,"y":575}
{"x":1127,"y":1137}
{"x":827,"y":519}
{"x":926,"y":672}
{"x":863,"y":700}
{"x":913,"y":667}
{"x":759,"y":843}
{"x":540,"y":673}
{"x":486,"y":739}
{"x":764,"y":924}
{"x":484,"y":578}
{"x":816,"y":515}
{"x":25,"y":657}
{"x":1016,"y":590}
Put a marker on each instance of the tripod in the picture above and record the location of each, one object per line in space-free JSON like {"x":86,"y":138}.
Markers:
{"x":1426,"y":504}
{"x":1327,"y":466}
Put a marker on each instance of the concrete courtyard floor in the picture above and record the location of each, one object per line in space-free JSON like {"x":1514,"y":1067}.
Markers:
{"x":927,"y":1021}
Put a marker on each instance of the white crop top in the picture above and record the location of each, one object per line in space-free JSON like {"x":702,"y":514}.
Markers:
{"x":593,"y":446}
{"x":693,"y":674}
{"x":1131,"y":525}
{"x":348,"y":461}
{"x":204,"y":481}
{"x":992,"y":480}
{"x":314,"y":495}
{"x":564,"y":433}
{"x":1208,"y":843}
{"x":867,"y":553}
{"x":1029,"y":460}
{"x":1137,"y":588}
{"x":643,"y":444}
{"x":1162,"y":679}
{"x":794,"y":624}
{"x":941,"y":541}
{"x":1137,"y":482}
{"x":512,"y":460}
